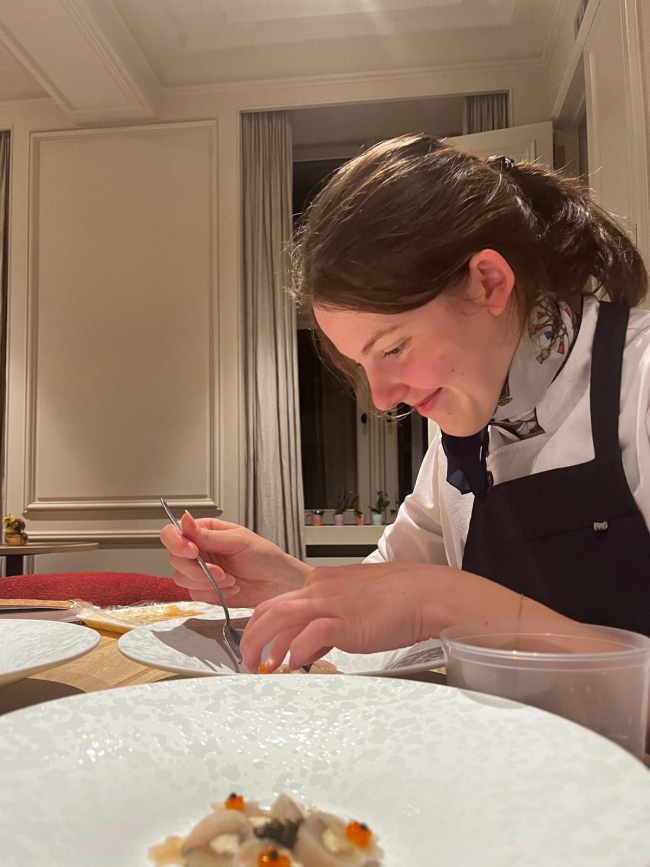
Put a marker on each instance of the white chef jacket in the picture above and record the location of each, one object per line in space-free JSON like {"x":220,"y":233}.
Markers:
{"x":433,"y":522}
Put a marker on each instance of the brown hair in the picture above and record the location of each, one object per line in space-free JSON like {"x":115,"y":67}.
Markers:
{"x":398,"y":225}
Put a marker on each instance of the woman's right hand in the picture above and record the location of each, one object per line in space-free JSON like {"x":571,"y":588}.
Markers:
{"x":247,"y":568}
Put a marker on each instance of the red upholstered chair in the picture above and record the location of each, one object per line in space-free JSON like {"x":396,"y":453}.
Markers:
{"x":100,"y":588}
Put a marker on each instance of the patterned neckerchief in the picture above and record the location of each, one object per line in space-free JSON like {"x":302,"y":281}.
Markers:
{"x":544,"y":347}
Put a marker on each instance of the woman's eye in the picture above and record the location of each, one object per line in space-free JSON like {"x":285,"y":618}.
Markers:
{"x":396,"y":351}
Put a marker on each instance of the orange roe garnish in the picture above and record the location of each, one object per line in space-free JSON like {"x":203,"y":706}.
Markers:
{"x":234,"y":802}
{"x":273,"y":856}
{"x":359,"y":834}
{"x":263,"y":669}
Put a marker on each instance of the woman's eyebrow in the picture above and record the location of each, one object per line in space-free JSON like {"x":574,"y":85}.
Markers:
{"x":377,"y":336}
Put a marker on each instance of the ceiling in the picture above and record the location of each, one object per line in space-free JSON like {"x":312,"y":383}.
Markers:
{"x":77,"y":50}
{"x":15,"y":80}
{"x":202,"y":41}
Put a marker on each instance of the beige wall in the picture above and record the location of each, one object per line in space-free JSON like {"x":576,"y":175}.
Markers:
{"x":89,"y":445}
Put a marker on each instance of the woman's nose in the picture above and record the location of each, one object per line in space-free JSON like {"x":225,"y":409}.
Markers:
{"x":385,"y":394}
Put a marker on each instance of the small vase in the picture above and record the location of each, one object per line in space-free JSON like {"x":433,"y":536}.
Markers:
{"x":316,"y":520}
{"x":16,"y":538}
{"x":360,"y":520}
{"x":377,"y":519}
{"x":338,"y":520}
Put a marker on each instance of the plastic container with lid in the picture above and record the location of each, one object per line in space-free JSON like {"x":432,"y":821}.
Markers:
{"x":596,"y":676}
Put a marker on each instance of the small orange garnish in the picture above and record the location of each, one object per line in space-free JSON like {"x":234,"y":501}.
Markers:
{"x":273,"y":856}
{"x":359,"y":834}
{"x":234,"y":802}
{"x":263,"y":669}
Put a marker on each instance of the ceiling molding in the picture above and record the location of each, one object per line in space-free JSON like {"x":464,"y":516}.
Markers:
{"x":353,"y":78}
{"x":103,"y":75}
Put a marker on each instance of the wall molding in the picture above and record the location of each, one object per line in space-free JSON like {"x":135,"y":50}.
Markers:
{"x":63,"y":507}
{"x":575,"y":59}
{"x":105,"y":538}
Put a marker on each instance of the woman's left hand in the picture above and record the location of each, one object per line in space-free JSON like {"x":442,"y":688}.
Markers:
{"x":359,"y":609}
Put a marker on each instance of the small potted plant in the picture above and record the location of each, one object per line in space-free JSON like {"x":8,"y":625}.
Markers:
{"x":378,"y":510}
{"x":14,"y":530}
{"x":317,"y":517}
{"x":343,"y":503}
{"x":393,"y":512}
{"x":359,"y":516}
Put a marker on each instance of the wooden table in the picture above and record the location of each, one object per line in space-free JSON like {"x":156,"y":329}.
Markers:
{"x":16,"y":554}
{"x":106,"y":668}
{"x":102,"y":668}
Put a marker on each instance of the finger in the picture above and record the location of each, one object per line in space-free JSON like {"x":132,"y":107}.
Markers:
{"x":177,"y":544}
{"x":196,"y":576}
{"x":268,"y":604}
{"x":323,"y":651}
{"x":211,"y":535}
{"x":315,"y":640}
{"x":280,"y":648}
{"x":201,"y":584}
{"x":208,"y":595}
{"x":284,"y":613}
{"x":210,"y":523}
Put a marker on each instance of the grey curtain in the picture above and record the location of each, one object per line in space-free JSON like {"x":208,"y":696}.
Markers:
{"x":484,"y":112}
{"x":273,"y":489}
{"x":4,"y":288}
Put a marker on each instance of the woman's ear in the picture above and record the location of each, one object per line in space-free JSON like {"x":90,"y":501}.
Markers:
{"x":491,"y":280}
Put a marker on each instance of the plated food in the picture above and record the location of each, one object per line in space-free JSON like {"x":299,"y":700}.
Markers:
{"x":195,"y":646}
{"x":441,"y":775}
{"x":240,"y":833}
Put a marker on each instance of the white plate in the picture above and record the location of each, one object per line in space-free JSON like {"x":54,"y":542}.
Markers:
{"x":195,"y":646}
{"x":30,"y":646}
{"x":443,"y":777}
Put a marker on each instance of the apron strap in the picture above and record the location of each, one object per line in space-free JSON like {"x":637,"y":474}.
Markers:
{"x":605,"y":383}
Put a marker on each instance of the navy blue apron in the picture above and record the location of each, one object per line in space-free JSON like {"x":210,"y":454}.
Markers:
{"x":573,"y":538}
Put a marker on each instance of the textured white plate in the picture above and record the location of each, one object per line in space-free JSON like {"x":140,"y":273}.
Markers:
{"x":195,"y":646}
{"x":444,"y":777}
{"x":30,"y":646}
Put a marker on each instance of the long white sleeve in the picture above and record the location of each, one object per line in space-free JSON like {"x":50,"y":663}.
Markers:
{"x":416,"y":535}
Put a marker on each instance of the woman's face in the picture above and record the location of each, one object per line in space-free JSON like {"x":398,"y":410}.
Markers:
{"x":449,"y":359}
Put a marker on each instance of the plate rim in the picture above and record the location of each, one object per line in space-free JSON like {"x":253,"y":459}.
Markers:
{"x":124,"y":639}
{"x":51,"y":625}
{"x":194,"y":690}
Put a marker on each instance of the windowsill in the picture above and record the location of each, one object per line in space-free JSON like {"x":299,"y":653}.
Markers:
{"x":346,"y":535}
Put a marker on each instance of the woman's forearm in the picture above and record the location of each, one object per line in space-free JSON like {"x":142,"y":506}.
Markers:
{"x":463,"y":597}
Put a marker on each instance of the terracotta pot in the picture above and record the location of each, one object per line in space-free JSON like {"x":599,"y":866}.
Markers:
{"x":317,"y":520}
{"x":393,"y":515}
{"x":16,"y":538}
{"x":360,"y":519}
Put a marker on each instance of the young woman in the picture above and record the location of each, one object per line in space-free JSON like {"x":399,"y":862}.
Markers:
{"x":468,"y":289}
